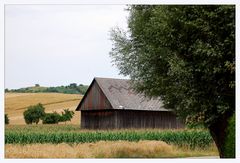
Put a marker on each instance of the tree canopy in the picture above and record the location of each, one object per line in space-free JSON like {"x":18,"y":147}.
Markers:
{"x":34,"y":113}
{"x":184,"y":54}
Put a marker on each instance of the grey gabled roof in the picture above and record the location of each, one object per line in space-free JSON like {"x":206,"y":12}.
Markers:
{"x":121,"y":96}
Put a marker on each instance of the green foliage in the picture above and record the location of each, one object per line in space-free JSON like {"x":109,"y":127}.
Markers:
{"x":51,"y":118}
{"x":195,"y":126}
{"x":191,"y":138}
{"x":54,"y":118}
{"x":34,"y":113}
{"x":71,"y":89}
{"x":82,"y":89}
{"x":229,"y":146}
{"x":195,"y":121}
{"x":185,"y":54}
{"x":6,"y":119}
{"x":67,"y":115}
{"x":73,"y":85}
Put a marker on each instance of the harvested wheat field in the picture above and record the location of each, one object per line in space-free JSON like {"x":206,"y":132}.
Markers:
{"x":104,"y":149}
{"x":16,"y":104}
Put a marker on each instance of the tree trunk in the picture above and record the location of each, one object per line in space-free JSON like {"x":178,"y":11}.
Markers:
{"x":218,"y":133}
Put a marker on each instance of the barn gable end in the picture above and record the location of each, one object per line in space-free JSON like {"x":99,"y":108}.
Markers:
{"x":94,"y":99}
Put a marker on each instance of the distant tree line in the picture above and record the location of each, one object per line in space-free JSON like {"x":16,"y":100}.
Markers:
{"x":72,"y":88}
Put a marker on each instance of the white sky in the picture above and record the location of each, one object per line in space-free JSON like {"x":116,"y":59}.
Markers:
{"x":56,"y":45}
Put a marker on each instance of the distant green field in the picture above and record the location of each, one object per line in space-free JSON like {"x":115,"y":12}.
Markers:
{"x":72,"y":134}
{"x":70,"y":89}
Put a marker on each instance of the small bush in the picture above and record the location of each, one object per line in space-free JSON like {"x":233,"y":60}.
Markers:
{"x":67,"y":115}
{"x":51,"y":118}
{"x":6,"y":119}
{"x":33,"y":114}
{"x":229,"y":147}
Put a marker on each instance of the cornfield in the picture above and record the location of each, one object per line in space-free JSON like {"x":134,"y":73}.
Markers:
{"x":191,"y":138}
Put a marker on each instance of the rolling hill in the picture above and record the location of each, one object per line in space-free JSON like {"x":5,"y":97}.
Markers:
{"x":72,"y":88}
{"x":16,"y":104}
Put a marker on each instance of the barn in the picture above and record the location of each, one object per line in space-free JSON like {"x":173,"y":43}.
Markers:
{"x":112,"y":104}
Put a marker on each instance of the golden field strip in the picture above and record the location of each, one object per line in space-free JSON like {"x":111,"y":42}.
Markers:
{"x":16,"y":104}
{"x":105,"y":149}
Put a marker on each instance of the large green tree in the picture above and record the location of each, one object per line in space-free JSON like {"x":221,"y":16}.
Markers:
{"x":34,"y":113}
{"x":186,"y":55}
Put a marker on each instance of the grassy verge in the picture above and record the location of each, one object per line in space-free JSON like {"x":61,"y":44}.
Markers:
{"x":106,"y":149}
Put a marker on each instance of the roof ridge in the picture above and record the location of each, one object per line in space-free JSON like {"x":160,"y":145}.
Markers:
{"x":109,"y":78}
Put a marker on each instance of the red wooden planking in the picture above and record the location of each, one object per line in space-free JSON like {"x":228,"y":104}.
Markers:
{"x":95,"y":99}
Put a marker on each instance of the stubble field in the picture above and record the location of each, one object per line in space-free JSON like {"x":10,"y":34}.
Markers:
{"x":16,"y":104}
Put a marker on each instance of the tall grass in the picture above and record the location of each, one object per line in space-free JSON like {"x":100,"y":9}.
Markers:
{"x":105,"y":149}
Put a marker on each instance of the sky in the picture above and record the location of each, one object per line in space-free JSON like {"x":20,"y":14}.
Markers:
{"x":55,"y":45}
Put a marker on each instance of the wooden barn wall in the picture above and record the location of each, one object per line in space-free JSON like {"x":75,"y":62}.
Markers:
{"x":147,"y":119}
{"x":98,"y":119}
{"x":108,"y":119}
{"x":95,"y":99}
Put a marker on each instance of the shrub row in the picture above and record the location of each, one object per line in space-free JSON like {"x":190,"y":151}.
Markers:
{"x":192,"y":138}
